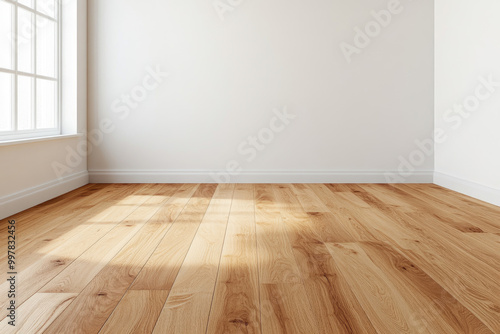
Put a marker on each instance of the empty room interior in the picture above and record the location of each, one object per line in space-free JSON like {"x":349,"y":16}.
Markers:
{"x":249,"y":166}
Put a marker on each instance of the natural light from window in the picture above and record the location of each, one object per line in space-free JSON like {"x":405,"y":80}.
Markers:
{"x":29,"y":68}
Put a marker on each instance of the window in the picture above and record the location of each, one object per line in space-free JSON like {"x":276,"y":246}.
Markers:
{"x":30,"y":68}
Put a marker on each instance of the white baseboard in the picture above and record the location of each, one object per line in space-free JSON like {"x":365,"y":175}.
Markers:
{"x":468,"y":188}
{"x":12,"y":204}
{"x":150,"y":176}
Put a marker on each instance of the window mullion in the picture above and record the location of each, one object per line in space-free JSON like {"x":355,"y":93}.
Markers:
{"x":32,"y":10}
{"x":16,"y":75}
{"x":27,"y":74}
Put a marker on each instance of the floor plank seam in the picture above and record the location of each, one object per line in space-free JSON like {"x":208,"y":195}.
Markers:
{"x":48,"y":282}
{"x":144,"y":225}
{"x":145,"y":262}
{"x":164,"y":236}
{"x":326,"y":258}
{"x":220,"y":259}
{"x":257,"y":256}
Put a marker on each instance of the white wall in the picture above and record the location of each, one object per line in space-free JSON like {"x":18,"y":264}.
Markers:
{"x":468,"y":48}
{"x":27,"y":174}
{"x":227,"y":76}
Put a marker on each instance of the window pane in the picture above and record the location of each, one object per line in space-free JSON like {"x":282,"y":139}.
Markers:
{"x":24,"y":103}
{"x":46,"y":56}
{"x":29,"y":3}
{"x":26,"y":37}
{"x":47,"y":7}
{"x":6,"y":34}
{"x":6,"y":81}
{"x":46,"y":95}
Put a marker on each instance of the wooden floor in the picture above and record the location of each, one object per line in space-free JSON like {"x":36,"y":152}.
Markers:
{"x":249,"y":258}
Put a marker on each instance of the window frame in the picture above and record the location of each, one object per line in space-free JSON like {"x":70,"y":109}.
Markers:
{"x":16,"y":134}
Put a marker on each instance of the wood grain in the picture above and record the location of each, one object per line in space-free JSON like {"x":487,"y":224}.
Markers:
{"x":161,"y":269}
{"x":276,"y":261}
{"x":285,"y":309}
{"x":96,"y":302}
{"x":434,"y":309}
{"x":137,"y":312}
{"x":335,"y":308}
{"x":385,"y":306}
{"x":38,"y":313}
{"x":245,"y":258}
{"x":52,"y":229}
{"x":79,"y":273}
{"x":308,"y":199}
{"x":189,"y":301}
{"x":56,"y":256}
{"x":236,"y":305}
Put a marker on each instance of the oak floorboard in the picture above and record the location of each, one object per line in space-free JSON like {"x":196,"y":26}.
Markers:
{"x":440,"y":259}
{"x":451,"y":214}
{"x":188,"y":305}
{"x":79,"y":273}
{"x":38,"y":312}
{"x":331,"y":227}
{"x":48,"y":230}
{"x":256,"y":258}
{"x":284,"y":309}
{"x":450,"y":229}
{"x":55,"y":257}
{"x":236,"y":305}
{"x":434,"y":309}
{"x":137,"y":312}
{"x":276,"y":261}
{"x":161,"y":269}
{"x":468,"y":205}
{"x":389,"y":197}
{"x":388,"y":310}
{"x":335,"y":308}
{"x":91,"y":308}
{"x":417,"y":204}
{"x":482,"y":251}
{"x":491,"y":240}
{"x":308,"y":199}
{"x":345,"y":216}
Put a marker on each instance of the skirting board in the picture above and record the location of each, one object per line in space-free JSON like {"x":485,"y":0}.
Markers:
{"x":468,"y":188}
{"x":127,"y":176}
{"x":12,"y":204}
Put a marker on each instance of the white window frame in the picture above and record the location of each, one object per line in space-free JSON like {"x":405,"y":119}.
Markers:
{"x":34,"y":133}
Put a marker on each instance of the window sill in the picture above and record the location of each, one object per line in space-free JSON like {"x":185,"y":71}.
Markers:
{"x":38,"y":139}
